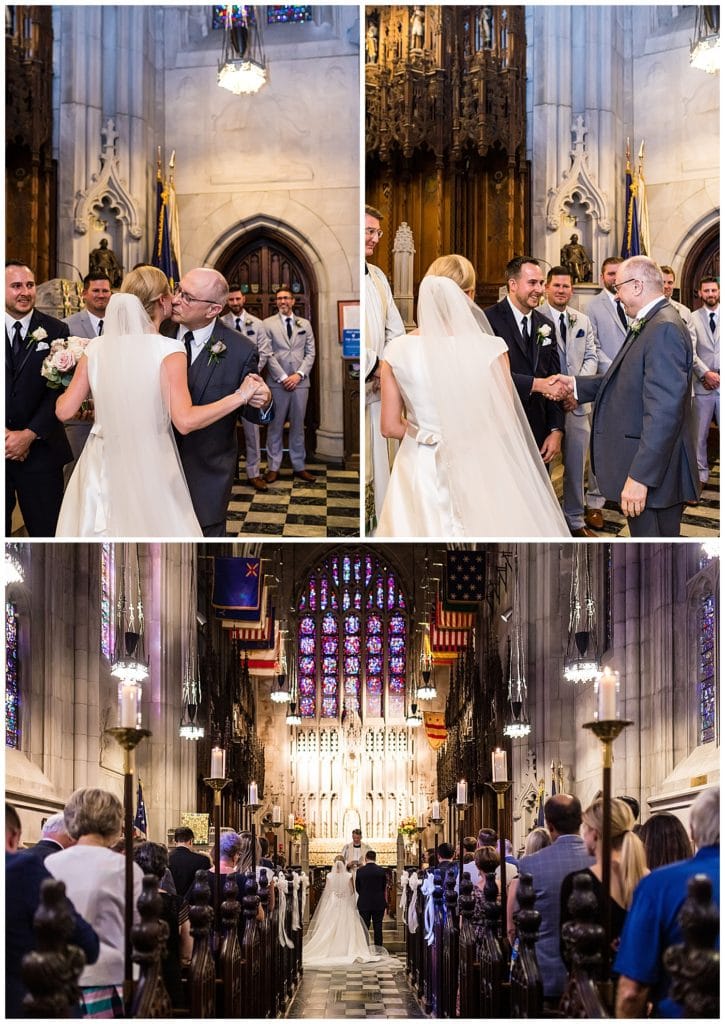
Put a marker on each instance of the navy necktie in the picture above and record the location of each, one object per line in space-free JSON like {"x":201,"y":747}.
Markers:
{"x":525,"y":332}
{"x":188,"y":338}
{"x":239,"y":324}
{"x":100,"y":328}
{"x":562,"y":328}
{"x":713,"y":325}
{"x":622,"y":315}
{"x":289,"y":326}
{"x":17,"y":338}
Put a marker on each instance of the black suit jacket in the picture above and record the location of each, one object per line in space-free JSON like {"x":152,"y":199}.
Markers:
{"x":44,"y":847}
{"x":543,"y":414}
{"x":30,"y":403}
{"x":210,"y":455}
{"x":642,"y":420}
{"x":370,"y":882}
{"x":183,"y":865}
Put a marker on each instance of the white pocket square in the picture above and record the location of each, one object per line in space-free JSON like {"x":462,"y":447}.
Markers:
{"x":42,"y":346}
{"x":545,"y":342}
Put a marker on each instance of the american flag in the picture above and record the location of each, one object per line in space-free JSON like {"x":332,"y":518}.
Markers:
{"x":452,"y":620}
{"x":465,"y":576}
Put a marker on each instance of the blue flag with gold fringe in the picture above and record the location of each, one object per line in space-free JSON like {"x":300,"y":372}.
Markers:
{"x":630,"y":238}
{"x":165,"y":255}
{"x":237,"y":588}
{"x":140,"y":822}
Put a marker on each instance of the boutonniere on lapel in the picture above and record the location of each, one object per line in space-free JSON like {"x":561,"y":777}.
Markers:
{"x":216,"y":350}
{"x":635,"y":327}
{"x":571,"y":319}
{"x":543,"y":335}
{"x":39,"y":335}
{"x":59,"y":366}
{"x":298,"y":323}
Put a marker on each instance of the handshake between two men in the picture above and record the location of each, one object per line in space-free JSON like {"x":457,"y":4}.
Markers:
{"x":558,"y":388}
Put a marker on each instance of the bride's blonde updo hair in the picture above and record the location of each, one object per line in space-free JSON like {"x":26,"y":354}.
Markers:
{"x":148,"y":284}
{"x":458,"y":268}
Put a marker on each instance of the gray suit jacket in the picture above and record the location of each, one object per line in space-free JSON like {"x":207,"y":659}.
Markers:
{"x":548,"y":868}
{"x":707,"y":352}
{"x":642,"y":425}
{"x":607,"y":327}
{"x":80,"y":325}
{"x":290,"y":355}
{"x":253,"y":328}
{"x":581,"y":354}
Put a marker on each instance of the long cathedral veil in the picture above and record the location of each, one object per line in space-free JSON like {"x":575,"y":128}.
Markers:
{"x":126,"y":315}
{"x":338,"y":885}
{"x":499,"y":485}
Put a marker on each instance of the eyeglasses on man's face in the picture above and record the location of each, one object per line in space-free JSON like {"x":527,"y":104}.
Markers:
{"x":373,"y":232}
{"x":622,"y":283}
{"x":185,"y":297}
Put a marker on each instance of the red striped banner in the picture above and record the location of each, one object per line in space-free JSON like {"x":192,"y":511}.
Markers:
{"x":452,"y":620}
{"x":435,"y":728}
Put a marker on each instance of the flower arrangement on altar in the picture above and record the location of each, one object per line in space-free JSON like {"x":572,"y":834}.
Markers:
{"x":300,"y":825}
{"x":408,"y":826}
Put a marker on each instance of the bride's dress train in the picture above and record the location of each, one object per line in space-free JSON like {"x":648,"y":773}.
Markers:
{"x":336,"y":935}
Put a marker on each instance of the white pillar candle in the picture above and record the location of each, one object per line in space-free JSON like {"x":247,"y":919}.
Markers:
{"x":129,"y":706}
{"x":253,"y":797}
{"x":291,"y":821}
{"x":499,"y":765}
{"x":607,"y":688}
{"x":218,"y":757}
{"x":276,"y":813}
{"x":421,"y":820}
{"x":436,"y":810}
{"x":462,"y":792}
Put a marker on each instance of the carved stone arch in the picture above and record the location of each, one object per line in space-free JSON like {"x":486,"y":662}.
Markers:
{"x":702,"y":260}
{"x":107,"y":186}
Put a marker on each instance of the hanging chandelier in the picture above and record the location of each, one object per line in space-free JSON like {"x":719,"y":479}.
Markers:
{"x":13,"y":566}
{"x":280,"y":694}
{"x":293,"y":715}
{"x":428,"y":690}
{"x":242,"y":69}
{"x":129,"y":664}
{"x":189,"y":728}
{"x":705,"y":47}
{"x":414,"y":718}
{"x":581,"y":664}
{"x":517,"y":723}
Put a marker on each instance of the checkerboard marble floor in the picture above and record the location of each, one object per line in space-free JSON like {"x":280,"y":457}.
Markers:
{"x":701,"y":520}
{"x":356,"y":993}
{"x":329,"y":507}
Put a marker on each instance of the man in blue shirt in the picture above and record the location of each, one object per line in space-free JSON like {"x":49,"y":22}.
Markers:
{"x":651,"y":924}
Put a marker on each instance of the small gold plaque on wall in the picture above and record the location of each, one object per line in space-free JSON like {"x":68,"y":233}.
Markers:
{"x":199,"y":825}
{"x":698,"y":780}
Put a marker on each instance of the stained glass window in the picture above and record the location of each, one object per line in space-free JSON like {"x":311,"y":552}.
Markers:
{"x":706,"y":669}
{"x":241,"y":14}
{"x":12,"y":690}
{"x":353,"y":639}
{"x":285,"y":14}
{"x":108,"y":640}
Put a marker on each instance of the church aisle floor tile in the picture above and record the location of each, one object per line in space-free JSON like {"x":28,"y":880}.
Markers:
{"x":376,"y":991}
{"x":327,"y":507}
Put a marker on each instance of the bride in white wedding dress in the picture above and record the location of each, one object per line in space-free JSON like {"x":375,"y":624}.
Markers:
{"x":337,"y":936}
{"x":468,"y":465}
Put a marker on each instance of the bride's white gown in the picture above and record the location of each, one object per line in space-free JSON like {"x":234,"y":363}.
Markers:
{"x":128,"y":481}
{"x":468,"y":465}
{"x":336,"y":935}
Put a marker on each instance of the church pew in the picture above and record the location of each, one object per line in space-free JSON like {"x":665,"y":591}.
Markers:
{"x":251,"y":951}
{"x":51,"y":971}
{"x":527,"y":991}
{"x":268,"y":994}
{"x":151,"y":999}
{"x":495,"y":990}
{"x":229,"y":989}
{"x":449,"y":949}
{"x":202,"y":972}
{"x":695,"y":963}
{"x":589,"y":991}
{"x":469,"y":965}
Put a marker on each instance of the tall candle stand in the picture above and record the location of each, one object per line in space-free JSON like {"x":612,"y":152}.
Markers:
{"x":606,"y":732}
{"x":436,"y":823}
{"x":292,"y":833}
{"x":500,"y":788}
{"x":275,"y":827}
{"x":252,"y":809}
{"x":217,"y":785}
{"x":128,"y":738}
{"x":420,"y":830}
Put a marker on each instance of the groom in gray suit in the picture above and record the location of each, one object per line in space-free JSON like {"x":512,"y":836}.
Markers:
{"x":707,"y":367}
{"x":642,"y":446}
{"x":578,"y":353}
{"x":219,"y":360}
{"x":288,"y":372}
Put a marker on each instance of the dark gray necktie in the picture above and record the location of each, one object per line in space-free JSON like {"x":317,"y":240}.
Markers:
{"x":100,"y":328}
{"x":289,"y":326}
{"x":239,"y":324}
{"x":525,"y":333}
{"x":17,"y":339}
{"x":188,"y":338}
{"x":562,"y":327}
{"x":622,"y":315}
{"x":713,"y":324}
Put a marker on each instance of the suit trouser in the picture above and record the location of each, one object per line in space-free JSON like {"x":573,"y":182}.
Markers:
{"x":251,"y":448}
{"x":377,"y":918}
{"x":288,"y":405}
{"x":377,"y":450}
{"x":707,"y":407}
{"x":39,"y":494}
{"x":595,"y":498}
{"x":656,"y":522}
{"x":576,"y":444}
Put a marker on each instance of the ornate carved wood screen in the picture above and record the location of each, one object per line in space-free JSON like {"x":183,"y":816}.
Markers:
{"x":446,"y":133}
{"x":30,"y":207}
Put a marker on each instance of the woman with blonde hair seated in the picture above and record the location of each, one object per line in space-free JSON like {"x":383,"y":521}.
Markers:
{"x":129,"y":480}
{"x":468,"y":464}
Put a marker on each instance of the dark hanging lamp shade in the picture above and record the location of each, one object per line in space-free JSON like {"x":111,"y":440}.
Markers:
{"x":239,"y":37}
{"x":131,"y":642}
{"x":581,"y":639}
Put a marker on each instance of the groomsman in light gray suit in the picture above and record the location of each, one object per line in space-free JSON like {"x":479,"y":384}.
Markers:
{"x":288,"y":375}
{"x":87,"y":323}
{"x":707,"y":367}
{"x":578,"y":353}
{"x":668,"y":278}
{"x":253,"y":328}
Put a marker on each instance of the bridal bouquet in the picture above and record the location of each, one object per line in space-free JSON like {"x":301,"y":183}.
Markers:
{"x":408,"y":826}
{"x":59,"y":365}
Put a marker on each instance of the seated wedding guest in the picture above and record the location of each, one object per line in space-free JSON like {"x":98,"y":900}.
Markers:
{"x":652,"y":923}
{"x":444,"y":388}
{"x":153,"y":859}
{"x":627,"y":860}
{"x":185,"y":861}
{"x":54,"y":837}
{"x":25,"y":872}
{"x":138,"y":381}
{"x":665,"y":840}
{"x":244,"y":864}
{"x":470,"y":845}
{"x":265,"y":860}
{"x":94,"y":879}
{"x":537,"y":839}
